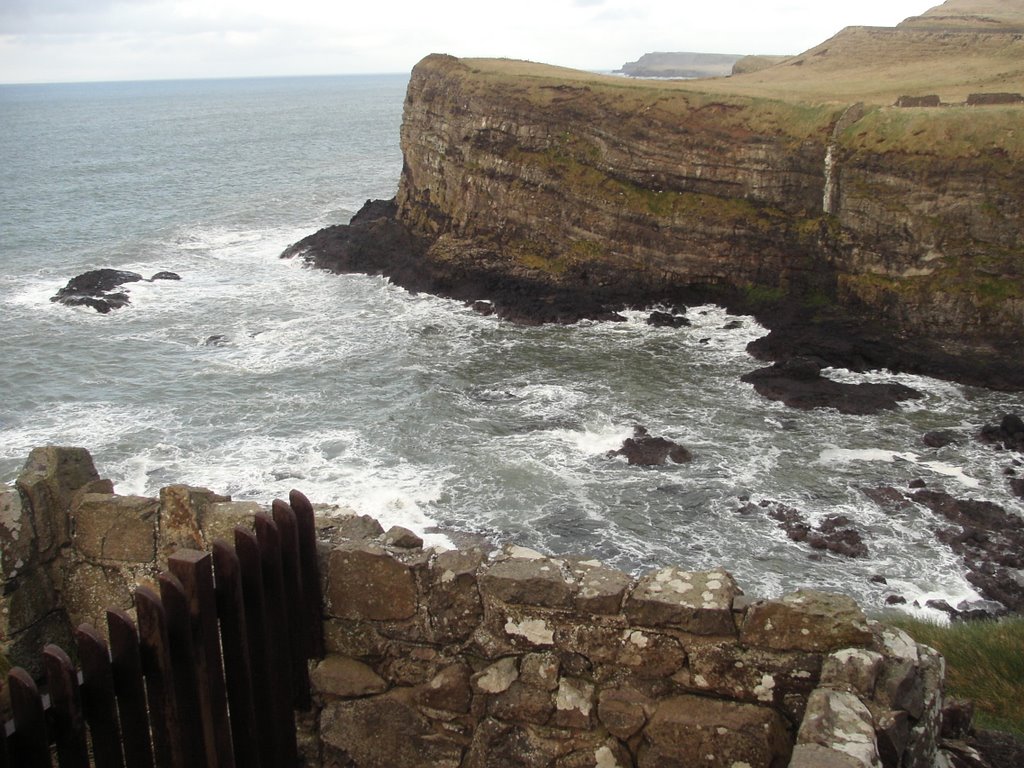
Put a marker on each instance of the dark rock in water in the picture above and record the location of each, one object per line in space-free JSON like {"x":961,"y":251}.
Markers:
{"x":644,"y":450}
{"x":217,"y":340}
{"x":667,"y":320}
{"x":1009,"y":434}
{"x":485,"y":308}
{"x":96,"y":289}
{"x":798,"y":383}
{"x":940,"y":438}
{"x":1017,"y":486}
{"x":942,"y":605}
{"x":918,"y":483}
{"x":834,"y":534}
{"x":888,"y":498}
{"x":895,"y":600}
{"x":732,"y":325}
{"x":878,"y":579}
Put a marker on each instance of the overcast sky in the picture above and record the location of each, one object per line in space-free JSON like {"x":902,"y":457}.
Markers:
{"x":76,"y":40}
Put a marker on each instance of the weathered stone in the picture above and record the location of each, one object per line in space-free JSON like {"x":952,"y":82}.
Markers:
{"x":49,"y":480}
{"x":116,"y":528}
{"x":403,"y":538}
{"x":923,"y":744}
{"x":17,"y":539}
{"x":623,"y":711}
{"x":411,"y":665}
{"x":453,"y":602}
{"x":852,"y":669}
{"x":645,"y":653}
{"x":22,"y":649}
{"x":900,"y":685}
{"x":88,"y":590}
{"x":449,"y":690}
{"x":783,"y":679}
{"x":365,"y":582}
{"x":574,"y":703}
{"x":806,"y":621}
{"x":691,"y":730}
{"x":817,"y":756}
{"x":892,"y":733}
{"x":540,"y":670}
{"x":840,"y":721}
{"x":497,"y":677}
{"x":522,"y":704}
{"x":696,"y":602}
{"x":528,"y":582}
{"x":182,"y":509}
{"x":530,"y":632}
{"x":387,"y":731}
{"x":27,"y":598}
{"x":344,"y":677}
{"x":220,"y":518}
{"x":353,"y":638}
{"x":601,"y":589}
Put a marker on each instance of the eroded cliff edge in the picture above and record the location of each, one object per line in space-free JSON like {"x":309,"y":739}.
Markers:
{"x":870,"y":237}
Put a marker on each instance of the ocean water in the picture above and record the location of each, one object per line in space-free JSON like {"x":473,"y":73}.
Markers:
{"x":254,"y":375}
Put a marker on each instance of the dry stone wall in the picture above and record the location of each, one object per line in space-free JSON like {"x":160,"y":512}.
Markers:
{"x":471,"y":658}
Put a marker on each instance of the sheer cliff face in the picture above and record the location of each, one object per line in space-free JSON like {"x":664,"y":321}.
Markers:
{"x":575,"y":179}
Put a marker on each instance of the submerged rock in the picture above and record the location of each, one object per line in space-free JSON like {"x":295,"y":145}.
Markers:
{"x":660,"y":319}
{"x":96,"y":288}
{"x":644,"y":450}
{"x":835,"y":534}
{"x":1009,"y":434}
{"x":798,"y":383}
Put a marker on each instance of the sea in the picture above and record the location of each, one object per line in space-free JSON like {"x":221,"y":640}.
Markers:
{"x":253,"y":375}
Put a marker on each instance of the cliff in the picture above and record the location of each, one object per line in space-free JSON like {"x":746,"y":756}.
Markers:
{"x":893,"y":235}
{"x":681,"y":64}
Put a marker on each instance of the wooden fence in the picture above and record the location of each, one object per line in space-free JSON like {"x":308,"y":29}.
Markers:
{"x":210,"y":675}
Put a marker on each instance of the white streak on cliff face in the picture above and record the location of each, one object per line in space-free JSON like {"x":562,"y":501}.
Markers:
{"x":828,"y":202}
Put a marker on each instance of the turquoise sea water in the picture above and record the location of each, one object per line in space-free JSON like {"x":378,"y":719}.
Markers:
{"x":410,"y":408}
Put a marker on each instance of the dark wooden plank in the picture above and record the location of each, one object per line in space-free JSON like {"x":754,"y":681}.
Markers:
{"x":235,"y":648}
{"x":195,"y":572}
{"x":154,"y":648}
{"x":258,"y":636}
{"x":5,"y":760}
{"x":29,"y":745}
{"x":66,"y":716}
{"x":183,"y":668}
{"x":130,"y":690}
{"x":298,"y":628}
{"x":269,"y":539}
{"x":309,"y":557}
{"x":99,"y":707}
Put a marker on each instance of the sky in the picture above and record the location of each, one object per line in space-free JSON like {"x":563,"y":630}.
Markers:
{"x":86,"y":40}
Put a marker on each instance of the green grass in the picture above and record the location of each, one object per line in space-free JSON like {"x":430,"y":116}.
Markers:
{"x":985,"y":663}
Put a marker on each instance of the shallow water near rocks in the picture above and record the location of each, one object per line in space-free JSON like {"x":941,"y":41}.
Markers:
{"x":253,"y":375}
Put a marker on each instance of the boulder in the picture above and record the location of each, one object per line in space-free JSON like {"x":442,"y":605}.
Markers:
{"x":116,"y":529}
{"x":940,"y":438}
{"x":346,"y":678}
{"x":1008,"y":434}
{"x":644,"y":450}
{"x":49,"y":482}
{"x":839,"y":721}
{"x":660,"y":319}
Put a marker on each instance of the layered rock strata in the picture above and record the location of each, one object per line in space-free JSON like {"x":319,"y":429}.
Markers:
{"x":560,"y":195}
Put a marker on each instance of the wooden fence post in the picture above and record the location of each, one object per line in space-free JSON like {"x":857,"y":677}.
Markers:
{"x":298,"y":629}
{"x":98,"y":703}
{"x":309,"y":557}
{"x":237,"y":659}
{"x":29,"y":746}
{"x":195,"y":572}
{"x":65,"y":709}
{"x":129,"y":687}
{"x":155,"y":654}
{"x":183,"y":667}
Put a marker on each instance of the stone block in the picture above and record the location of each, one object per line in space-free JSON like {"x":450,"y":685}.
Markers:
{"x":403,"y":538}
{"x":365,"y":582}
{"x":574,"y":704}
{"x":852,"y":669}
{"x":49,"y":480}
{"x":111,"y":528}
{"x":454,"y":606}
{"x":623,"y":711}
{"x":26,"y":599}
{"x":89,"y":589}
{"x":695,"y":602}
{"x":817,"y":756}
{"x":344,"y":677}
{"x":521,"y":581}
{"x":498,"y":677}
{"x":601,"y":589}
{"x":521,"y":704}
{"x":540,"y":670}
{"x":691,"y":730}
{"x":387,"y":731}
{"x":806,"y":621}
{"x":353,"y":638}
{"x":220,"y":518}
{"x":449,"y":690}
{"x":839,"y":721}
{"x":182,"y":509}
{"x":642,"y":652}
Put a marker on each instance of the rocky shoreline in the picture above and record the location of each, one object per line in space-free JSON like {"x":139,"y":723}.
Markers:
{"x":377,"y":242}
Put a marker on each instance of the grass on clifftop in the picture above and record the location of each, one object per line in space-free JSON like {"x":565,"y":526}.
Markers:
{"x":984,"y":663}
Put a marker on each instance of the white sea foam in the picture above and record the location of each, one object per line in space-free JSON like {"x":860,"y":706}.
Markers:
{"x":846,"y":455}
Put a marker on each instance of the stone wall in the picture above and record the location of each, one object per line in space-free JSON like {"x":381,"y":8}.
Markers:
{"x":472,"y":658}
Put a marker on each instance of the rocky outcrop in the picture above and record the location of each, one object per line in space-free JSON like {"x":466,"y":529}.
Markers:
{"x":98,"y":288}
{"x":681,"y":64}
{"x":560,"y":195}
{"x":647,"y":450}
